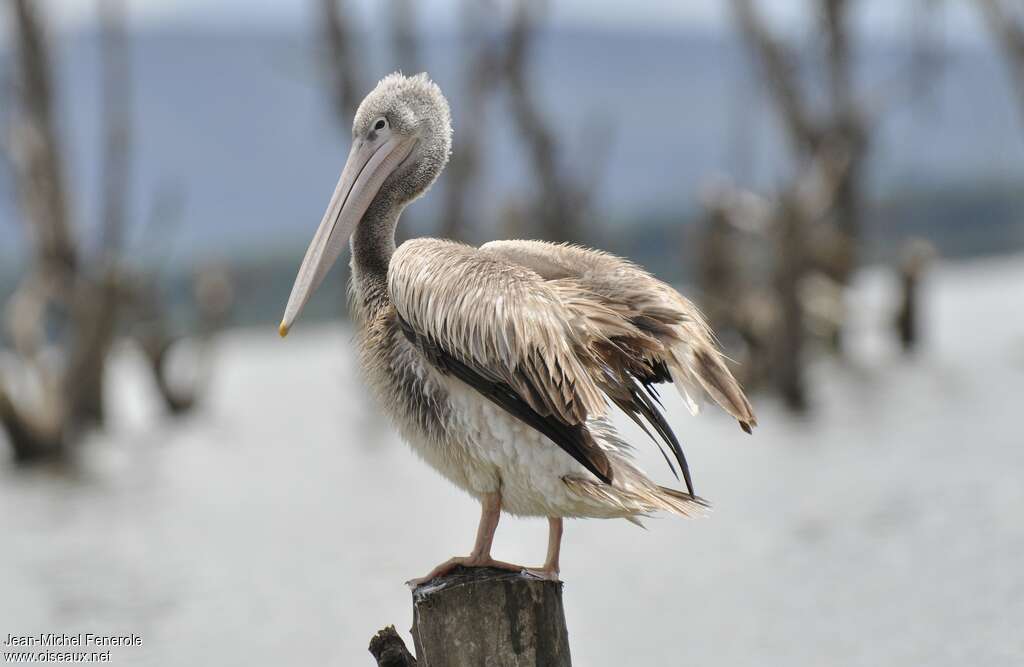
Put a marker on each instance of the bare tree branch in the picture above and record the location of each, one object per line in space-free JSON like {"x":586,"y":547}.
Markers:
{"x":846,"y":131}
{"x":834,"y":14}
{"x":342,"y":66}
{"x":842,"y":130}
{"x":117,"y":115}
{"x":403,"y":35}
{"x":157,"y":340}
{"x":482,"y":72}
{"x":561,"y":205}
{"x":780,"y":71}
{"x":34,"y":145}
{"x":1007,"y":26}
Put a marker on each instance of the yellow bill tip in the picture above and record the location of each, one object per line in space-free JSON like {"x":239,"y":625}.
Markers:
{"x":283,"y":329}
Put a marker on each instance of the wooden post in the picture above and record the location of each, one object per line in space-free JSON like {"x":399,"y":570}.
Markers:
{"x":484,"y":616}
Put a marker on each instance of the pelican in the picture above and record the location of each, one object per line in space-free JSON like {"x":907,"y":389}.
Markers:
{"x":499,"y":364}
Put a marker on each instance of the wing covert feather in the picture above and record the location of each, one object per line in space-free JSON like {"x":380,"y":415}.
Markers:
{"x":688,"y":350}
{"x":501,"y":318}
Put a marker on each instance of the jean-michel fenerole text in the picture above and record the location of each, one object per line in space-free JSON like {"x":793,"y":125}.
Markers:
{"x":84,"y":639}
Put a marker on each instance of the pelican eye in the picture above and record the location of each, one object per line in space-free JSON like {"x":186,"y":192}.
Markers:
{"x":380,"y":124}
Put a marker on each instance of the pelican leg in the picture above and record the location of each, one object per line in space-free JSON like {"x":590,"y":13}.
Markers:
{"x":490,"y":513}
{"x":550,"y":569}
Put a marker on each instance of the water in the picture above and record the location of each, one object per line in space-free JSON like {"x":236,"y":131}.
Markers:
{"x":277,"y":526}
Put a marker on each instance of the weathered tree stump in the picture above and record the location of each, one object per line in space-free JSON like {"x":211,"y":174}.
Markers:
{"x":485,"y":616}
{"x":917,"y":256}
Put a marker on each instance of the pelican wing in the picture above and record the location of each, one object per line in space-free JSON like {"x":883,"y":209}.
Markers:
{"x":503,"y":330}
{"x":550,"y":332}
{"x":685,"y":351}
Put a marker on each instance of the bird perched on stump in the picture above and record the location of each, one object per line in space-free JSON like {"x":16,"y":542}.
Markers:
{"x":499,"y":364}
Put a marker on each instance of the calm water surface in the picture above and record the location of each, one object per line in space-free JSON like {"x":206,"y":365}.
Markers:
{"x":277,"y":526}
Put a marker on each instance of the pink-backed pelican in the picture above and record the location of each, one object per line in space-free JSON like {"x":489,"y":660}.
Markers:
{"x":499,"y":364}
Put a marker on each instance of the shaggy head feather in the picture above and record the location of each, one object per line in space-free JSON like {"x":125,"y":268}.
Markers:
{"x":413,"y":106}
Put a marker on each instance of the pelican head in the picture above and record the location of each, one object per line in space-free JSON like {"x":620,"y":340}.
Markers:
{"x":401,"y":139}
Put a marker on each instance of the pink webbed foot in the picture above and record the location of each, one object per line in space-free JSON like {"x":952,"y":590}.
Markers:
{"x":466,"y":561}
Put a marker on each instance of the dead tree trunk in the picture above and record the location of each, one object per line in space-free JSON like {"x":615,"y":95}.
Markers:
{"x":917,"y":256}
{"x":841,"y":129}
{"x":35,"y":147}
{"x":72,"y":297}
{"x":404,"y":45}
{"x":32,"y":436}
{"x":483,"y":616}
{"x":342,"y":68}
{"x":482,"y":72}
{"x":1005,"y":21}
{"x":38,"y":169}
{"x":96,"y":305}
{"x":562,"y":202}
{"x":789,"y":345}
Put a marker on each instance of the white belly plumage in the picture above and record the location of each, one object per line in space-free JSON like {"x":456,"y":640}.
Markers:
{"x":488,"y":450}
{"x":483,"y":449}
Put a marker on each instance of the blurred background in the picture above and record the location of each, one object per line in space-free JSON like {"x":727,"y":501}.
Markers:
{"x":838,"y":183}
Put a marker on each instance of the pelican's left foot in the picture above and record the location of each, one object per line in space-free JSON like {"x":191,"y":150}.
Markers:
{"x":465,"y":561}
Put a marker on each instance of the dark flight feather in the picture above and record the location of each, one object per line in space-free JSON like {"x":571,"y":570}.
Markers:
{"x":574,"y":439}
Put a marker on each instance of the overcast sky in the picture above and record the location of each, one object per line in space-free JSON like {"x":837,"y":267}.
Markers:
{"x":879,"y":16}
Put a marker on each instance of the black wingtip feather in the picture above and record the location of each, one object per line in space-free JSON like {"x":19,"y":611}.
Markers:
{"x":630,"y":411}
{"x":650,"y":411}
